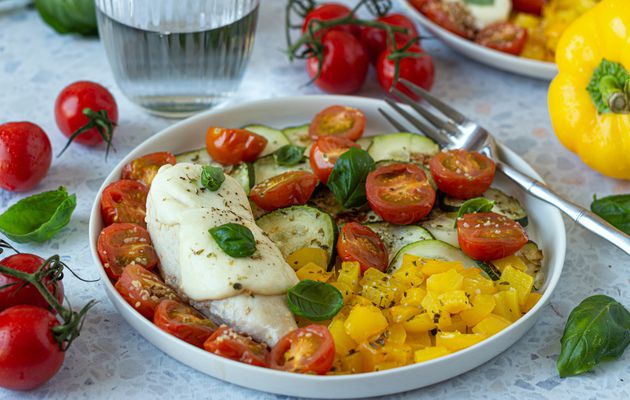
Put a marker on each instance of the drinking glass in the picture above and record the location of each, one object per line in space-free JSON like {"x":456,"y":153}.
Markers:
{"x":177,"y":57}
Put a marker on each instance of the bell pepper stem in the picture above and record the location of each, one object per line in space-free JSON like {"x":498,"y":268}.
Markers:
{"x":614,"y":95}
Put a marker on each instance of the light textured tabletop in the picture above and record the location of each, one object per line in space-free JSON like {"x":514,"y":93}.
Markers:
{"x":110,"y":360}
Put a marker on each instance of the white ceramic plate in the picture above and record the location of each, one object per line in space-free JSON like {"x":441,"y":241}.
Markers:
{"x":507,"y":62}
{"x":189,"y":134}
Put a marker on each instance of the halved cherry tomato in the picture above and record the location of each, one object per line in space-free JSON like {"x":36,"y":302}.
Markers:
{"x":345,"y":64}
{"x":144,"y":169}
{"x":124,"y":201}
{"x":361,"y":244}
{"x":233,"y":146}
{"x":400,"y":193}
{"x":450,"y":15}
{"x":462,"y":174}
{"x":287,"y":189}
{"x":12,"y":293}
{"x":122,"y":244}
{"x":325,"y":152}
{"x":489,"y":236}
{"x":419,"y":70}
{"x":308,"y":350}
{"x":528,"y":6}
{"x":326,"y":12}
{"x":225,"y":342}
{"x":375,"y":40}
{"x":183,"y":322}
{"x":503,"y":36}
{"x":143,"y":290}
{"x":340,"y":121}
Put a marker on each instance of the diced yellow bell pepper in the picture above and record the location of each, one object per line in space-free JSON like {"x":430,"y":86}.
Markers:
{"x":409,"y":275}
{"x":429,"y":353}
{"x":349,"y":273}
{"x":381,"y":289}
{"x":478,"y":284}
{"x":507,"y":304}
{"x":343,"y":343}
{"x":413,"y":297}
{"x":410,"y":261}
{"x":396,"y":334}
{"x":359,"y":300}
{"x":431,"y":303}
{"x":510,"y":261}
{"x":472,"y":271}
{"x":403,"y":313}
{"x":419,"y":340}
{"x":454,"y":301}
{"x":306,"y":255}
{"x":346,"y":291}
{"x":455,"y":341}
{"x":445,"y":281}
{"x":444,"y":320}
{"x":531,"y":301}
{"x":432,"y":267}
{"x":456,"y":324}
{"x":352,"y":363}
{"x":420,"y":323}
{"x":483,"y":304}
{"x":519,"y":280}
{"x":365,"y":322}
{"x":491,"y":325}
{"x":313,"y":272}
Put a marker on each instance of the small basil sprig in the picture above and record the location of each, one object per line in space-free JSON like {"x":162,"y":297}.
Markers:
{"x":69,"y":16}
{"x":316,"y":301}
{"x":615,"y":210}
{"x":212,"y":177}
{"x":472,"y":206}
{"x":289,"y":155}
{"x":39,"y":217}
{"x":347,"y":179}
{"x":597,"y":329}
{"x":234,"y":239}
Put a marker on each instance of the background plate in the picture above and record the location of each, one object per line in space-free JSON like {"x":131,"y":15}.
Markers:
{"x":496,"y":59}
{"x":282,"y":112}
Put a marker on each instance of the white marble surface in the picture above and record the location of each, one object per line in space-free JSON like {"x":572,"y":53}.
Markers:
{"x":110,"y":360}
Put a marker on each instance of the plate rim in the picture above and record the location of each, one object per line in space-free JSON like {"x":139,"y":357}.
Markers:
{"x":297,"y":379}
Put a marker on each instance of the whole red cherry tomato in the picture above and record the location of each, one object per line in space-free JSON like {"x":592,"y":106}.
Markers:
{"x":29,"y":354}
{"x":375,"y":40}
{"x":326,"y":12}
{"x":489,"y":236}
{"x":503,"y":36}
{"x":308,"y":350}
{"x":418,"y":70}
{"x":25,"y":156}
{"x":233,"y":146}
{"x":345,"y":64}
{"x":25,"y":295}
{"x":528,"y":6}
{"x":86,"y":104}
{"x":462,"y":174}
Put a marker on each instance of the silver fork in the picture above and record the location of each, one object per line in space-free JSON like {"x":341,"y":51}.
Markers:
{"x":456,"y":131}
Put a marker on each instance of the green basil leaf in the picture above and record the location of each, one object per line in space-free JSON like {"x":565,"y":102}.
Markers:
{"x":212,"y":177}
{"x":317,"y":301}
{"x":289,"y":155}
{"x":347,"y":179}
{"x":605,"y":68}
{"x":597,"y":329}
{"x":480,"y":2}
{"x":39,"y":217}
{"x":615,"y":210}
{"x":472,"y":206}
{"x":234,"y":239}
{"x":69,"y":16}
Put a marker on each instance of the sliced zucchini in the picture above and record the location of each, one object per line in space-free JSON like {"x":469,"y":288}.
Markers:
{"x":199,"y":156}
{"x":442,"y":226}
{"x":533,"y":257}
{"x":297,"y":227}
{"x":406,"y":147}
{"x":266,"y":167}
{"x":490,"y":270}
{"x":244,"y":174}
{"x":448,"y":203}
{"x":507,"y":205}
{"x":395,"y":237}
{"x":432,"y":249}
{"x":298,"y":135}
{"x":364,"y":142}
{"x":325,"y":201}
{"x":275,"y":138}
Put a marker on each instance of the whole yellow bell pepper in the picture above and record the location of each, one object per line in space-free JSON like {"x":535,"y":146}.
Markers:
{"x":589,"y":100}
